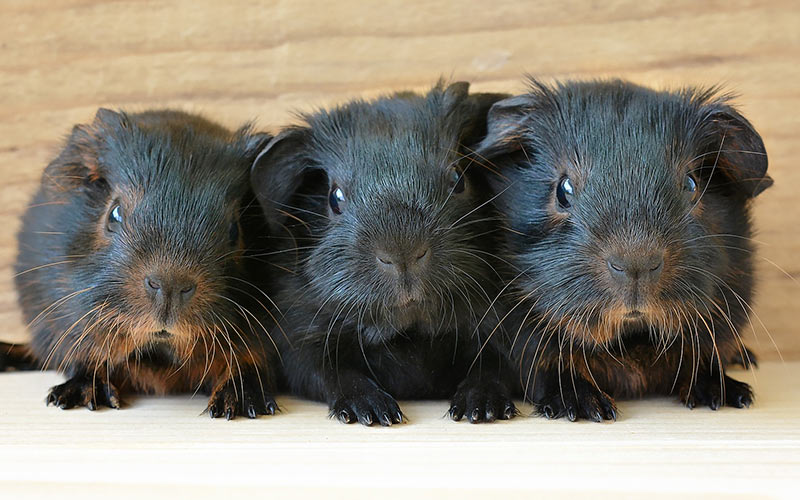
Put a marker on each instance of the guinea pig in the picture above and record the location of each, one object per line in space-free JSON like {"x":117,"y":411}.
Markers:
{"x":133,"y":266}
{"x":628,"y":225}
{"x":382,"y":220}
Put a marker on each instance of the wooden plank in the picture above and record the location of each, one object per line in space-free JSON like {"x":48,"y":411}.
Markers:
{"x":164,"y":448}
{"x":240,"y":60}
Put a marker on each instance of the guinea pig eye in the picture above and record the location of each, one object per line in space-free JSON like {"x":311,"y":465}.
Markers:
{"x":690,"y":185}
{"x":564,"y":192}
{"x":456,"y":181}
{"x":114,"y":218}
{"x":336,"y":199}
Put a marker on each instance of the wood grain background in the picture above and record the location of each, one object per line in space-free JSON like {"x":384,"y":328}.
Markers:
{"x":242,"y":60}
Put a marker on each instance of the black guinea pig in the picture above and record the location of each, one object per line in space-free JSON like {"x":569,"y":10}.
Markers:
{"x":629,"y":228}
{"x":133,"y":268}
{"x":383,"y":227}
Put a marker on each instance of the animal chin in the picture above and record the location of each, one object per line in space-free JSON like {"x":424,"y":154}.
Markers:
{"x":156,"y":354}
{"x":407,"y":313}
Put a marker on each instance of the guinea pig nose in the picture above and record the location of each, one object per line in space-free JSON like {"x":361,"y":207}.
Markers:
{"x":423,"y":253}
{"x":152,"y":283}
{"x":384,"y":258}
{"x":641,"y":266}
{"x":187,"y":290}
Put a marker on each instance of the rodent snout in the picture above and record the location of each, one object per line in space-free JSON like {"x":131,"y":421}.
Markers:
{"x":399,"y":261}
{"x":642,"y":267}
{"x":169,"y":292}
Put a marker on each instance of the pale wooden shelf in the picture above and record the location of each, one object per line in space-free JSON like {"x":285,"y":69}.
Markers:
{"x":163,"y":447}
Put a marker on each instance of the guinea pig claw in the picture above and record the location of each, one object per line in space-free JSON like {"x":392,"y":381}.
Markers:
{"x":548,"y":412}
{"x":475,"y":416}
{"x":385,"y":420}
{"x":366,"y":419}
{"x":571,"y":415}
{"x":344,"y":417}
{"x":90,"y":405}
{"x":715,"y":403}
{"x":456,"y":413}
{"x":272,"y":408}
{"x":509,"y":412}
{"x":229,"y":413}
{"x":251,"y":412}
{"x":399,"y":418}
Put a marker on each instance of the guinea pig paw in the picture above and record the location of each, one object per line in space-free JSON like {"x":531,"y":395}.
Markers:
{"x":482,"y":402}
{"x":237,"y":398}
{"x":84,"y":391}
{"x":579,"y":401}
{"x":708,"y":391}
{"x":375,"y":406}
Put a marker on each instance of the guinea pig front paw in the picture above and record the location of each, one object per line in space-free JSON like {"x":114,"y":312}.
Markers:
{"x":575,"y":398}
{"x":241,"y":397}
{"x":482,"y":401}
{"x":367,"y":407}
{"x":709,"y":391}
{"x":84,"y":390}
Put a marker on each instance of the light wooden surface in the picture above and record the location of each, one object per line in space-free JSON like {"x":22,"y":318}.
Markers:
{"x":163,"y":448}
{"x":241,"y":60}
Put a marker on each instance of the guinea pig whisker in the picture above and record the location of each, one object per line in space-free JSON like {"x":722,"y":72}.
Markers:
{"x":87,"y":329}
{"x":478,"y":207}
{"x":63,"y":337}
{"x":245,"y":312}
{"x":234,"y":359}
{"x":266,"y":309}
{"x":746,"y":306}
{"x":208,"y":362}
{"x":241,"y":337}
{"x":500,"y":322}
{"x":480,"y":160}
{"x":276,"y":252}
{"x":303,"y":210}
{"x":49,"y":264}
{"x":724,"y":235}
{"x":55,"y":305}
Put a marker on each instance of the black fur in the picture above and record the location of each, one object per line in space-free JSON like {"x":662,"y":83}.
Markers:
{"x":361,"y":331}
{"x":182,"y":185}
{"x":586,"y":329}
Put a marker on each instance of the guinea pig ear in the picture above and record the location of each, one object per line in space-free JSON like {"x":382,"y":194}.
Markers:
{"x":111,"y":119}
{"x":455,"y":93}
{"x":740,"y":152}
{"x":255,"y":144}
{"x":277,"y":173}
{"x":504,"y":126}
{"x":77,"y":165}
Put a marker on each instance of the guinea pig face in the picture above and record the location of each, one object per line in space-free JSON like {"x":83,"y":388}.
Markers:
{"x":401,"y":216}
{"x":397,"y":242}
{"x":160,"y":221}
{"x":627,"y":207}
